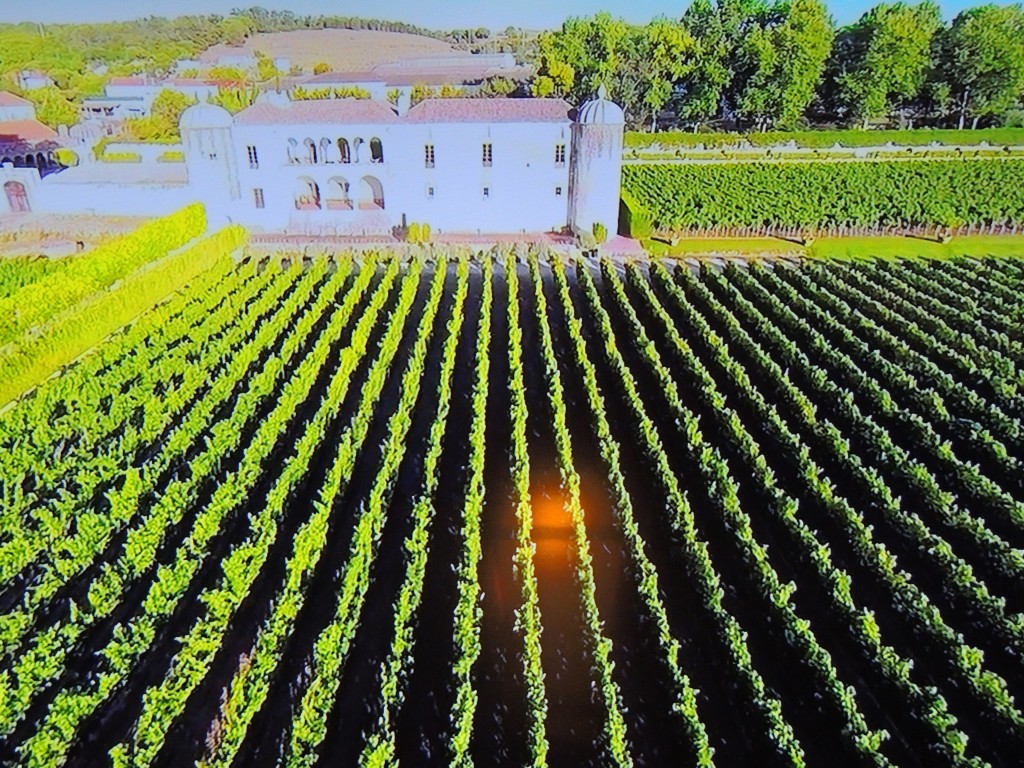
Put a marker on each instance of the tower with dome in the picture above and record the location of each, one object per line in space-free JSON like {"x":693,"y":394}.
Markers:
{"x":595,"y":170}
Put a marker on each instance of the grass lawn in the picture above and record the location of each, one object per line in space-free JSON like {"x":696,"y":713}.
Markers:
{"x":902,"y":247}
{"x":844,"y":247}
{"x":696,"y":246}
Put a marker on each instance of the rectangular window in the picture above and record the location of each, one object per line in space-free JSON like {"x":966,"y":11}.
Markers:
{"x":558,"y":191}
{"x":559,"y":155}
{"x":430,"y":193}
{"x":487,"y":155}
{"x":254,"y":160}
{"x":257,"y":195}
{"x":428,"y":155}
{"x":487,"y":192}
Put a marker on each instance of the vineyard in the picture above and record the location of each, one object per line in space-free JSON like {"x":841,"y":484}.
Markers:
{"x":524,"y":510}
{"x":821,"y":195}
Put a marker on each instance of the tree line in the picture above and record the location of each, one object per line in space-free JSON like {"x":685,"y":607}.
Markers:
{"x":783,"y":64}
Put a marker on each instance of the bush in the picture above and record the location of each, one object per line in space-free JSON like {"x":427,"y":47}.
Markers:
{"x":173,"y":156}
{"x":66,"y":157}
{"x":634,"y":219}
{"x":417,"y":233}
{"x":600,"y":232}
{"x":823,"y":139}
{"x":120,"y":157}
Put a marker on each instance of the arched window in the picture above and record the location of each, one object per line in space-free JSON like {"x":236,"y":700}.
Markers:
{"x":293,"y":151}
{"x":325,"y":151}
{"x":376,"y":151}
{"x":357,"y":149}
{"x":17,"y":198}
{"x":343,"y":150}
{"x":307,"y":195}
{"x":40,"y":161}
{"x":30,"y":160}
{"x":371,"y":194}
{"x":337,"y":197}
{"x":310,"y":151}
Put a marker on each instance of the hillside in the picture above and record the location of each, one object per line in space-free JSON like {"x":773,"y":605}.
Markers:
{"x":342,"y":49}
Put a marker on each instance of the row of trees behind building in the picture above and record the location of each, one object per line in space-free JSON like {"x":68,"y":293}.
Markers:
{"x":761,"y":64}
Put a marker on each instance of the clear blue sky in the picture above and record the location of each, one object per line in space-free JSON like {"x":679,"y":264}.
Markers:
{"x":438,"y":14}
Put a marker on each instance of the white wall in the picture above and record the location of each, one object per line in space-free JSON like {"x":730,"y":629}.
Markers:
{"x":27,"y":177}
{"x":522,"y":179}
{"x":114,"y":199}
{"x":17,"y":112}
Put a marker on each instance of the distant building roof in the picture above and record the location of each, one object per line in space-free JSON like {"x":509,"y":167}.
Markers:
{"x":8,"y":99}
{"x":497,"y":110}
{"x":343,"y":77}
{"x":430,"y":78}
{"x":25,"y":130}
{"x":112,"y":99}
{"x":351,"y":111}
{"x":197,"y":81}
{"x":130,"y":81}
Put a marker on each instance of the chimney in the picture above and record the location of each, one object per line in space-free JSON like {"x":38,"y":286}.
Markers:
{"x":404,"y":101}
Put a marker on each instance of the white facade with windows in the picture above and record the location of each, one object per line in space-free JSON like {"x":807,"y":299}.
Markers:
{"x":358,"y":167}
{"x":355,"y":166}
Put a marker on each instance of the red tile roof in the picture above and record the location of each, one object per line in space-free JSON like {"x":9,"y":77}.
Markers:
{"x":195,"y":81}
{"x":462,"y":110}
{"x":25,"y":130}
{"x":8,"y":99}
{"x":351,"y":111}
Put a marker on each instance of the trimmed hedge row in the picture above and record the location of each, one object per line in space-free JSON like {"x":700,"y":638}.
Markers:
{"x":824,"y":139}
{"x":929,"y":192}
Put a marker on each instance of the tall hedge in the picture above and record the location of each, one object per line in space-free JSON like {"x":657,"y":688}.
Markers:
{"x":819,"y":194}
{"x":97,"y":269}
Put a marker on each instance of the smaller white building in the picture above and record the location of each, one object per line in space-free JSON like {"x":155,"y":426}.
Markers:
{"x":132,"y":97}
{"x":33,"y":79}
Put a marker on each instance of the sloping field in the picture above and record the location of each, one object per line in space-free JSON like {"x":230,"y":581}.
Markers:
{"x":345,"y":50}
{"x":527,"y":511}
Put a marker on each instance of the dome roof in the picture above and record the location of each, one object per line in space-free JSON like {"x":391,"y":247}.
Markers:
{"x":601,"y":110}
{"x":205,"y":116}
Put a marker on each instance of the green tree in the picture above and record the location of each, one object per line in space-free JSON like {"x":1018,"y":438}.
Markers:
{"x":719,"y":28}
{"x":667,"y":53}
{"x":236,"y":99}
{"x":982,"y":60}
{"x":582,"y":55}
{"x":167,"y":108}
{"x":882,"y":62}
{"x":235,"y":29}
{"x":52,"y":107}
{"x":265,"y":69}
{"x":787,"y":59}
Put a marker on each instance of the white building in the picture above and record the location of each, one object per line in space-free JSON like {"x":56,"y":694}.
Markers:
{"x":357,"y":166}
{"x":33,"y":79}
{"x":132,"y":97}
